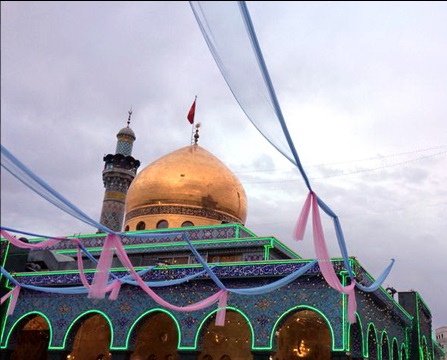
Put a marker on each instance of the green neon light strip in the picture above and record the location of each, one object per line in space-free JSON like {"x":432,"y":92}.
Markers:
{"x":297,"y":309}
{"x":418,"y":319}
{"x":167,"y":230}
{"x":135,"y":323}
{"x":424,"y":303}
{"x":344,"y":312}
{"x":267,"y":251}
{"x":182,"y":266}
{"x":77,"y":319}
{"x":19,"y":320}
{"x":359,"y":322}
{"x":366,"y":350}
{"x":202,"y":324}
{"x":198,"y":244}
{"x":421,"y":338}
{"x":384,"y":335}
{"x":382,"y":290}
{"x":154,"y":231}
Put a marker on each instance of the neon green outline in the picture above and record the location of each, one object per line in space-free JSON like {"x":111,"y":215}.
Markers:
{"x":5,"y":346}
{"x":366,"y":354}
{"x":418,"y":322}
{"x":403,"y":352}
{"x":383,"y":335}
{"x":5,"y":307}
{"x":344,"y":311}
{"x":422,"y":347}
{"x":169,"y":244}
{"x":5,"y":253}
{"x":202,"y":324}
{"x":421,"y":337}
{"x":396,"y":304}
{"x":297,"y":309}
{"x":84,"y":314}
{"x":359,"y":322}
{"x":168,"y":230}
{"x":383,"y":290}
{"x":267,"y":248}
{"x":122,"y":269}
{"x":134,"y":324}
{"x":397,"y":347}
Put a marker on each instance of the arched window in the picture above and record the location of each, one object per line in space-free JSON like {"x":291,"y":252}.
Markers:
{"x":141,"y":225}
{"x":127,"y":228}
{"x":162,"y":224}
{"x":187,"y":223}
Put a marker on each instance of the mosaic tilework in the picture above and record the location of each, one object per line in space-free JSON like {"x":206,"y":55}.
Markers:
{"x":112,"y":214}
{"x":356,"y":338}
{"x":211,"y":233}
{"x":381,"y":296}
{"x":243,"y":233}
{"x":384,"y":317}
{"x":132,"y":302}
{"x":310,"y":291}
{"x":181,"y":210}
{"x":117,"y":181}
{"x":221,"y":271}
{"x":124,"y":147}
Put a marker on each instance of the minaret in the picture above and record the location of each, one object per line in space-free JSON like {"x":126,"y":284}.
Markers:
{"x":119,"y":171}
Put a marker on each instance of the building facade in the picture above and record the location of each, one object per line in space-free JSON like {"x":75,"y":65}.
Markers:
{"x":441,"y":338}
{"x":185,"y":209}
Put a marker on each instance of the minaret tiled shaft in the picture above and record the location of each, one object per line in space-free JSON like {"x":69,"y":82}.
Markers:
{"x":119,"y":171}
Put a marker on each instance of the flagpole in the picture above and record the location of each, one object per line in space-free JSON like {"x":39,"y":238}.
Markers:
{"x":192,"y":133}
{"x":194,"y":120}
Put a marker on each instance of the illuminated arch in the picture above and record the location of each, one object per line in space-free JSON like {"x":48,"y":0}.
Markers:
{"x":395,"y":350}
{"x":371,"y":330}
{"x":282,"y":318}
{"x":360,"y":325}
{"x":76,"y":324}
{"x":403,"y":352}
{"x":207,"y":319}
{"x":384,"y":344}
{"x":15,"y":327}
{"x":423,"y":349}
{"x":137,"y":323}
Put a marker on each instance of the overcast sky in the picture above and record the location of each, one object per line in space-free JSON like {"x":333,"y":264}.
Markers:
{"x":362,"y":86}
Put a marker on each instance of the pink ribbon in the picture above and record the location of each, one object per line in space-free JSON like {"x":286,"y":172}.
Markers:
{"x":222,"y":310}
{"x":113,"y":243}
{"x":324,"y":261}
{"x":20,"y":244}
{"x":98,"y":288}
{"x":14,"y":294}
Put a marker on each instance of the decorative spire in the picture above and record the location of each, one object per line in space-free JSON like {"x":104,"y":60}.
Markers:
{"x":196,"y":135}
{"x":128,"y":119}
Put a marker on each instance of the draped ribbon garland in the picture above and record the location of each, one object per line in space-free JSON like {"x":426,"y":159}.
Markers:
{"x":325,"y":263}
{"x":101,"y":284}
{"x":323,"y":257}
{"x":238,"y":56}
{"x":13,"y":295}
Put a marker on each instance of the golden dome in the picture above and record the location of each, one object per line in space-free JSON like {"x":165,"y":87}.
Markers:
{"x":188,"y":186}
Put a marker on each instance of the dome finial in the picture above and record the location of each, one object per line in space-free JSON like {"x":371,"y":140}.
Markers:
{"x":128,"y":119}
{"x":196,"y":135}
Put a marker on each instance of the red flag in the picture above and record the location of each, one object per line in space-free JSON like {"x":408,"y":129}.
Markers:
{"x":192,"y":112}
